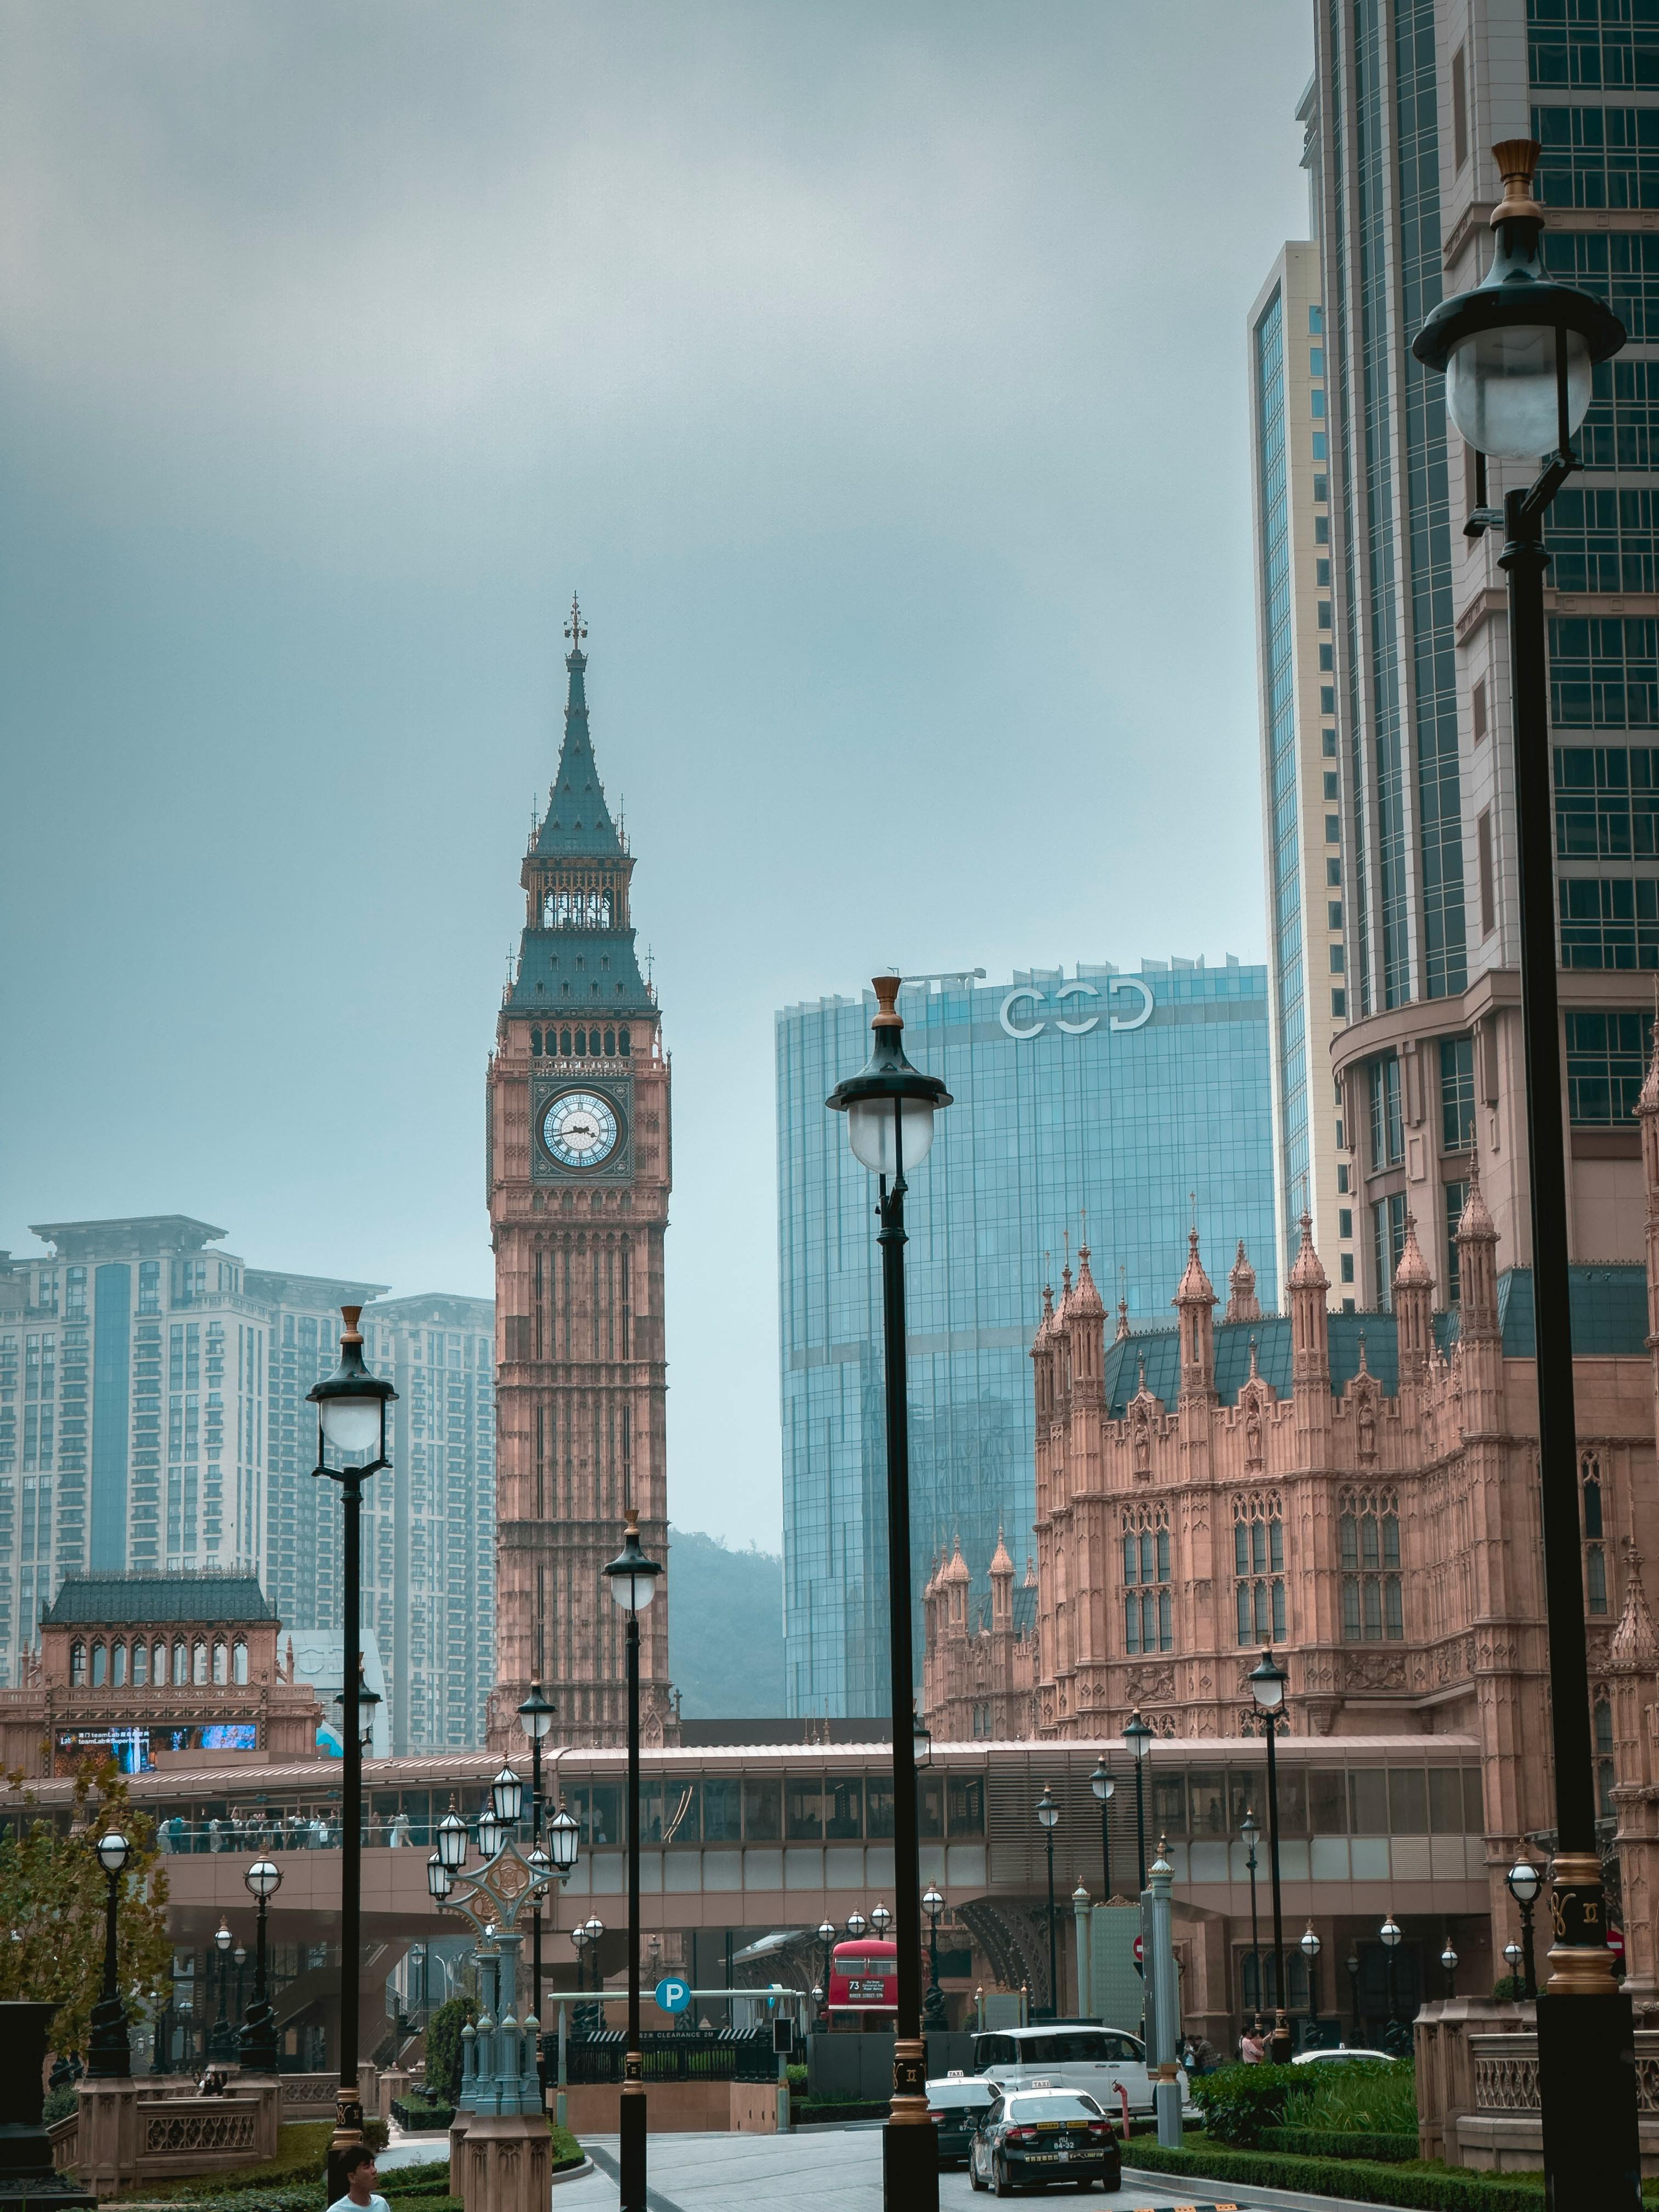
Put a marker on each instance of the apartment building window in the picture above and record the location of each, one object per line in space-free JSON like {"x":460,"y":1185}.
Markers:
{"x":1602,"y":539}
{"x":1607,"y":802}
{"x":1622,"y":427}
{"x":1258,"y":1569}
{"x":150,"y":1287}
{"x":1460,"y":108}
{"x":1148,"y":1596}
{"x":1388,"y":1242}
{"x":1456,"y":1197}
{"x":1368,"y":1537}
{"x":1488,"y":880}
{"x":74,"y":1294}
{"x":1388,"y":1130}
{"x":1606,"y":1062}
{"x":1609,"y":923}
{"x":1595,"y":1553}
{"x":1597,"y":157}
{"x":1478,"y":709}
{"x":1457,"y":1094}
{"x":1604,"y":673}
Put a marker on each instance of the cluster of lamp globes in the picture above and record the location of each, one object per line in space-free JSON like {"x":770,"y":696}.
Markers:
{"x":496,"y":1823}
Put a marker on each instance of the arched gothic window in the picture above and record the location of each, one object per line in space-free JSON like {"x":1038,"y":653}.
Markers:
{"x":1605,"y":1777}
{"x":140,"y":1664}
{"x":239,"y":1661}
{"x":611,"y":1044}
{"x":564,"y":1043}
{"x":198,"y":1660}
{"x":1258,"y":1568}
{"x":221,"y":1668}
{"x":1148,"y":1594}
{"x":1595,"y":1556}
{"x":535,"y":1044}
{"x":623,"y":1043}
{"x":180,"y":1660}
{"x":118,"y":1673}
{"x":100,"y":1666}
{"x":1368,"y":1535}
{"x":78,"y":1664}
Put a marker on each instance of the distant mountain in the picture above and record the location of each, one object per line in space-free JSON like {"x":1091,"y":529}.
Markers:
{"x":725,"y":1629}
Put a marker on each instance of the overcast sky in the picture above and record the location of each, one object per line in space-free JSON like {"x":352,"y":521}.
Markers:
{"x":878,"y":375}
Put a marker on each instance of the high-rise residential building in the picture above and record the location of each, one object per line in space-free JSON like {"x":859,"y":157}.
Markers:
{"x":152,"y":1420}
{"x":578,"y":1173}
{"x":429,"y":1535}
{"x":1409,"y":98}
{"x":1301,"y":783}
{"x":1100,"y":1108}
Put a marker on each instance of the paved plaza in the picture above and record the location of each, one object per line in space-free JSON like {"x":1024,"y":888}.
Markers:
{"x":833,"y":2170}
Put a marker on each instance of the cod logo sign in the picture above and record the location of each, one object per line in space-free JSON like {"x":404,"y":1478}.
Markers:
{"x":1035,"y":1024}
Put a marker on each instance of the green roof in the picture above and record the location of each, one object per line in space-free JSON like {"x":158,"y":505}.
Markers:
{"x":578,"y":820}
{"x":120,"y":1601}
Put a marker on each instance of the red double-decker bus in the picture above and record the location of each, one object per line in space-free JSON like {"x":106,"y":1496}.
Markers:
{"x":864,"y":1984}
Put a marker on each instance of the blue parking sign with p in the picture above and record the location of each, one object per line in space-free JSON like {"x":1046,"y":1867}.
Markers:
{"x":673,"y":1995}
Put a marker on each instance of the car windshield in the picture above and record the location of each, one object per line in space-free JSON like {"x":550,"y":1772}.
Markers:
{"x":1021,"y":2110}
{"x":941,"y":2095}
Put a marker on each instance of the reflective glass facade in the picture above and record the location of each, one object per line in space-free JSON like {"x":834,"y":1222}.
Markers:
{"x":1160,"y":1087}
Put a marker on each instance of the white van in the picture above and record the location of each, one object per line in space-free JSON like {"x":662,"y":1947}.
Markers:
{"x":1093,"y":2058}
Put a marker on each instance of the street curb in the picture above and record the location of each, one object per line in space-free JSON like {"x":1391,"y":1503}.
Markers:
{"x":573,"y":2173}
{"x":1252,"y":2195}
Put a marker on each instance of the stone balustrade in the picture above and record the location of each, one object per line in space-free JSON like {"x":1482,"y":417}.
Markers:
{"x":1478,"y":2087}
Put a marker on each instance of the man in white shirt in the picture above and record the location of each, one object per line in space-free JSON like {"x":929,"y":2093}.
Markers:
{"x":360,"y":2179}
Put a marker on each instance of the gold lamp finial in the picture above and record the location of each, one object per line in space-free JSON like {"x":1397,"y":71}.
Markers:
{"x":886,"y":988}
{"x":1516,"y":159}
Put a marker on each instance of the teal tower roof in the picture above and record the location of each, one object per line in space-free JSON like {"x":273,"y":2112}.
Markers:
{"x":577,"y":956}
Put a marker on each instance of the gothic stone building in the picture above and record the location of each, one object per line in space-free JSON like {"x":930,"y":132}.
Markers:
{"x":1358,"y":1491}
{"x":578,"y":1179}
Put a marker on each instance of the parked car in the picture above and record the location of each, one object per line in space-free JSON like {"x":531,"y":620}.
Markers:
{"x":1033,"y":2137}
{"x":956,"y":2103}
{"x":1093,"y":2058}
{"x":1337,"y":2057}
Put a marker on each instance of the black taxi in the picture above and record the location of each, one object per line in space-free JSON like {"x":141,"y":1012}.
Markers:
{"x":1032,"y":2137}
{"x":956,"y":2103}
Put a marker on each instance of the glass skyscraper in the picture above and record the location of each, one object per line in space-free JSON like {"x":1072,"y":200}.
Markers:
{"x":1100,"y":1107}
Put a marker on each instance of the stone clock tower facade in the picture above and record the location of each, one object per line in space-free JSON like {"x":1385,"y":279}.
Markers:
{"x":579,"y":1172}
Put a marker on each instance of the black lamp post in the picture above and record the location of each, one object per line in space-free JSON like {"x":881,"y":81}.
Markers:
{"x":221,"y":2045}
{"x":1524,"y":1881}
{"x":1139,"y":1737}
{"x":1249,"y":1832}
{"x":1354,"y":1988}
{"x":1047,"y":1813}
{"x":1103,"y":1784}
{"x":351,"y":1407}
{"x":160,"y":2017}
{"x":1391,"y":1932}
{"x":239,"y":1960}
{"x":1512,"y":1961}
{"x":932,"y":2010}
{"x":633,"y":1579}
{"x":1449,"y":1960}
{"x":109,"y":2056}
{"x":889,"y":1108}
{"x":827,"y":1937}
{"x":1518,"y":353}
{"x":1310,"y":1950}
{"x":1267,"y":1687}
{"x":536,"y":1717}
{"x":258,"y":2036}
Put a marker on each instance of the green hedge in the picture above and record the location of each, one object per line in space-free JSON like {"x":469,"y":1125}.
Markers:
{"x":1432,"y":2189}
{"x":1341,"y":2142}
{"x":1238,"y":2102}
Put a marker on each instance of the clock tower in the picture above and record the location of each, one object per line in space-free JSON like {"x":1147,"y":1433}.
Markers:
{"x":578,"y":1173}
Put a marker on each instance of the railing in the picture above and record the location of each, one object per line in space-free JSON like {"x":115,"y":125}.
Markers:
{"x":1506,"y":2072}
{"x":668,"y":2056}
{"x":178,"y":2129}
{"x":309,"y":2089}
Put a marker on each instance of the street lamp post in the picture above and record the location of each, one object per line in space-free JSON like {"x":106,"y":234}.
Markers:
{"x":1267,"y":1687}
{"x":351,"y":1407}
{"x":1310,"y":1950}
{"x":1139,"y":1737}
{"x":109,"y":2055}
{"x":1518,"y":353}
{"x":239,"y":1960}
{"x":932,"y":1904}
{"x":1512,"y":1961}
{"x":536,"y":1717}
{"x":633,"y":1579}
{"x":1524,"y":1881}
{"x":1249,"y":1832}
{"x":889,"y":1108}
{"x":1103,"y":1784}
{"x":827,"y":1937}
{"x":1391,"y":1932}
{"x":1047,"y":1813}
{"x":258,"y":2036}
{"x":1449,"y":1960}
{"x":1354,"y":1988}
{"x":222,"y":2044}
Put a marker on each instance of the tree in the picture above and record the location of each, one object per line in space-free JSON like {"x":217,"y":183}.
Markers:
{"x":444,"y":2047}
{"x":53,"y":1893}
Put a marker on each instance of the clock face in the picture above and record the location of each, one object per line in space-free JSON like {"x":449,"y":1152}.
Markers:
{"x":580,"y":1129}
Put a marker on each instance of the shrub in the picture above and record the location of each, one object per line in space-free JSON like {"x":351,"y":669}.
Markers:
{"x":1429,"y":2188}
{"x":444,"y":2047}
{"x":1340,"y":2142}
{"x":1362,"y":2096}
{"x":1508,"y":1989}
{"x":60,"y":2103}
{"x":1238,"y":2102}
